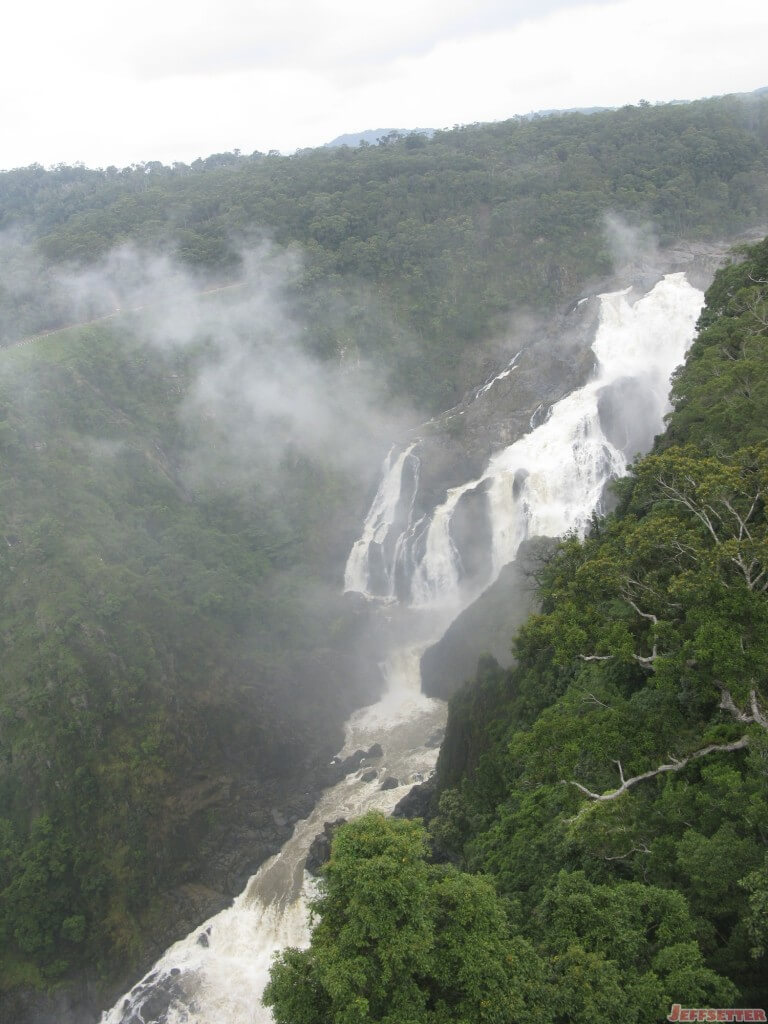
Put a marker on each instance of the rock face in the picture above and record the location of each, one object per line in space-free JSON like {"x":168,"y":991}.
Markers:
{"x":485,"y":627}
{"x":320,"y":850}
{"x":418,"y":802}
{"x":553,"y":356}
{"x":337,"y":770}
{"x":520,"y":377}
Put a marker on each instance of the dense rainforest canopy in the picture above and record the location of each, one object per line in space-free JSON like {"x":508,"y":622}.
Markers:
{"x":167,"y":634}
{"x":600,"y":848}
{"x":437,"y":238}
{"x":168,"y":631}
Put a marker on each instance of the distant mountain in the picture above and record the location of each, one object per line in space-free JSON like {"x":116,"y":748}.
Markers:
{"x":570,"y":110}
{"x":373,"y":135}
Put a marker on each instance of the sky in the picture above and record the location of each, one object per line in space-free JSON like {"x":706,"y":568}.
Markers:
{"x":172,"y":80}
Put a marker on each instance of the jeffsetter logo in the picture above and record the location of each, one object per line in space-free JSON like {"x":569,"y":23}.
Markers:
{"x":680,"y":1013}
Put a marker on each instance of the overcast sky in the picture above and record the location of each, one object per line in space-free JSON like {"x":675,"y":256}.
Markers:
{"x":117,"y":83}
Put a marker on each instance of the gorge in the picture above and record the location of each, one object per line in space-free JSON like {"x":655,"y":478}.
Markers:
{"x":550,"y":481}
{"x":292,"y":479}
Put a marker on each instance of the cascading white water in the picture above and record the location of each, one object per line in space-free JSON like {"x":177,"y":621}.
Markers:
{"x":548,"y":482}
{"x":552,"y":480}
{"x":379,"y":523}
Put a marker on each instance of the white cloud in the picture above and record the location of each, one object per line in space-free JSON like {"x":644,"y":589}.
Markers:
{"x":172,"y":81}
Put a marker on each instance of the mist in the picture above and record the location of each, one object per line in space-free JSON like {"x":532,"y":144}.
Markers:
{"x":260,"y":384}
{"x":632,"y":247}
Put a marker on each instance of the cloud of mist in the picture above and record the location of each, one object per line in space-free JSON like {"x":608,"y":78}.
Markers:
{"x":125,"y":279}
{"x":632,"y":246}
{"x":256,"y":389}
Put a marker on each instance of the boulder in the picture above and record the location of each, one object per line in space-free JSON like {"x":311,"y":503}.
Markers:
{"x":320,"y":850}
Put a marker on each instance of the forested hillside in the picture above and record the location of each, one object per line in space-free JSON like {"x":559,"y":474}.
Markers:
{"x":599,"y":847}
{"x":172,"y":640}
{"x":177,"y":661}
{"x":442,"y":236}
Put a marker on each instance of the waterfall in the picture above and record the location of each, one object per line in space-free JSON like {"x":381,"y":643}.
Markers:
{"x":552,"y":480}
{"x":549,"y":481}
{"x":369,"y":568}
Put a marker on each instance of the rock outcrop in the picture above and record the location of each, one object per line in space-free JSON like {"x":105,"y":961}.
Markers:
{"x":487,"y":626}
{"x":320,"y":850}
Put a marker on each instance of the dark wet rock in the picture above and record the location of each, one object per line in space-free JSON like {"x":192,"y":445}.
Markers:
{"x":320,"y":849}
{"x":202,"y":940}
{"x":185,"y":907}
{"x":160,"y":996}
{"x":471,"y":534}
{"x":628,"y":408}
{"x":389,"y":783}
{"x":339,"y":769}
{"x":485,"y":627}
{"x":350,"y":764}
{"x":370,"y":776}
{"x":418,"y":801}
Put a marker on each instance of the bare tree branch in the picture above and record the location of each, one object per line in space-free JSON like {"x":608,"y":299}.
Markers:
{"x":592,"y":699}
{"x":757,"y":716}
{"x":675,"y":765}
{"x":643,"y":615}
{"x":675,"y":494}
{"x":757,"y":713}
{"x":647,"y":662}
{"x":642,"y":848}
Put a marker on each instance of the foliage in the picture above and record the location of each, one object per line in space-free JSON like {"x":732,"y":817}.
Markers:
{"x":399,"y":939}
{"x":443,"y":239}
{"x":157,"y":637}
{"x":623,"y":886}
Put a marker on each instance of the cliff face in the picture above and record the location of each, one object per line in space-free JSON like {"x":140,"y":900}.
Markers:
{"x":487,"y":626}
{"x":554,"y":359}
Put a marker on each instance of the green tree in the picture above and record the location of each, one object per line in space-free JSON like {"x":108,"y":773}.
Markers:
{"x":399,"y":940}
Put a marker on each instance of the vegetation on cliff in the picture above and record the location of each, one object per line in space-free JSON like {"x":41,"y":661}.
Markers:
{"x":167,"y":634}
{"x":609,"y":793}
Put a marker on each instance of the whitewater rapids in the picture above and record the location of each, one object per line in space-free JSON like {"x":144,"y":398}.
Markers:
{"x":217,"y":974}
